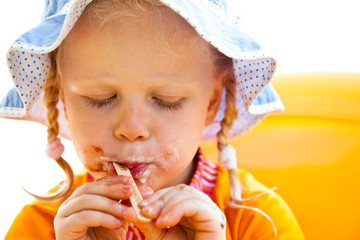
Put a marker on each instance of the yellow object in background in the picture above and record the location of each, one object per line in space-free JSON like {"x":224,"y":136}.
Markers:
{"x":311,"y":152}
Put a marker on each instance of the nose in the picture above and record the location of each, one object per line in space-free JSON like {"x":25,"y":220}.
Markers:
{"x":132,"y":125}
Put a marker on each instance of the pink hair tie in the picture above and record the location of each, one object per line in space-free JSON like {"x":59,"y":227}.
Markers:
{"x":55,"y":149}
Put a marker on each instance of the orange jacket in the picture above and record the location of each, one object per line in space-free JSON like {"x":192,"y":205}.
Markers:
{"x":247,"y":224}
{"x":35,"y":221}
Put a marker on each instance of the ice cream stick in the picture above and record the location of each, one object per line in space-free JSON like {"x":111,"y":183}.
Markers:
{"x":136,"y":198}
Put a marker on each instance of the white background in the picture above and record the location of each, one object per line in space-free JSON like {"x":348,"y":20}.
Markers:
{"x":306,"y":35}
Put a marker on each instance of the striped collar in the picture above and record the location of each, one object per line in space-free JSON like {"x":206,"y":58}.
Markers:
{"x":204,"y":178}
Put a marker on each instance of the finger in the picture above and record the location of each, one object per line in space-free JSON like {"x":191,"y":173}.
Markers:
{"x":183,"y":201}
{"x":146,"y":191}
{"x":152,"y":211}
{"x":92,"y":202}
{"x":190,"y":208}
{"x":182,"y":192}
{"x":171,"y":197}
{"x":115,"y":187}
{"x":90,"y":218}
{"x":157,"y":195}
{"x":155,"y":202}
{"x":152,"y":205}
{"x":195,"y":216}
{"x":79,"y":223}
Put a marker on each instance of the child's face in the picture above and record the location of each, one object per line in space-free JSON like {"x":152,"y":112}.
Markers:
{"x":136,"y":96}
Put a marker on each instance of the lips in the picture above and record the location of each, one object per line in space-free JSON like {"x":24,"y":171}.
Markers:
{"x":137,"y":170}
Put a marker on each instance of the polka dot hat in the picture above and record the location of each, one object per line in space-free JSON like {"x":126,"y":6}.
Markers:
{"x":29,"y":62}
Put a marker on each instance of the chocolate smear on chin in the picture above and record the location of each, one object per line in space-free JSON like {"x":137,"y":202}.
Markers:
{"x":95,"y":152}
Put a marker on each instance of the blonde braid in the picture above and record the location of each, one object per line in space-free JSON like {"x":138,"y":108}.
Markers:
{"x":230,"y":113}
{"x":222,"y":136}
{"x":51,"y":98}
{"x":236,"y":186}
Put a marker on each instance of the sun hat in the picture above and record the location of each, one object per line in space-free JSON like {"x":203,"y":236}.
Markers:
{"x":29,"y":61}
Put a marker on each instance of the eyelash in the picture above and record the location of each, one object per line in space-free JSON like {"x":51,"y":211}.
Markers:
{"x":100,"y":103}
{"x":171,"y":106}
{"x":164,"y":105}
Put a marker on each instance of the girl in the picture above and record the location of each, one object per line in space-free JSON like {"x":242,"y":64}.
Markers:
{"x":141,"y":83}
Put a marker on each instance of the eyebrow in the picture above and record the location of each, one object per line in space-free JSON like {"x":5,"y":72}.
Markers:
{"x":160,"y":79}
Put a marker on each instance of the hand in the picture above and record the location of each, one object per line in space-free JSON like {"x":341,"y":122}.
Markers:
{"x":94,"y":210}
{"x":181,"y":212}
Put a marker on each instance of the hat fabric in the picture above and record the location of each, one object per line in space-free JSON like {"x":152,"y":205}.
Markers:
{"x":29,"y":62}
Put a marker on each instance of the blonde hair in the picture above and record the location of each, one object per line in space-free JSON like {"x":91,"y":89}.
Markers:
{"x":224,"y":64}
{"x":51,"y":98}
{"x":105,"y":8}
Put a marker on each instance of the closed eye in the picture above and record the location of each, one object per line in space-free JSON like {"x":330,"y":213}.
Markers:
{"x":100,"y":103}
{"x":171,"y":106}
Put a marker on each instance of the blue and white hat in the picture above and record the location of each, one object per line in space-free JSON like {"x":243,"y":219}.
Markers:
{"x":29,"y":62}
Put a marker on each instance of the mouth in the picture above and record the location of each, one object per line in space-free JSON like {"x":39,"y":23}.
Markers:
{"x":139,"y":171}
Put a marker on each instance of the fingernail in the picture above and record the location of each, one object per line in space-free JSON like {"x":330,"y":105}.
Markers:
{"x":163,"y":221}
{"x":120,"y":208}
{"x":144,"y":203}
{"x":148,"y":210}
{"x":146,"y":191}
{"x":117,"y":222}
{"x":126,"y":188}
{"x":159,"y":221}
{"x":128,"y":180}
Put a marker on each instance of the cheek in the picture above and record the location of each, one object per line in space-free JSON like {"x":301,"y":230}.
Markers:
{"x":180,"y":140}
{"x":187,"y":124}
{"x":85,"y":130}
{"x":185,"y":131}
{"x":82,"y":123}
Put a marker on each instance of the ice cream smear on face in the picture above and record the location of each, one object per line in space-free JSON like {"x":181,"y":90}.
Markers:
{"x":140,"y":166}
{"x":140,"y":171}
{"x":144,"y":176}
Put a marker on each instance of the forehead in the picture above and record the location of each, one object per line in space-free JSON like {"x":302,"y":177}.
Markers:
{"x":134,"y":43}
{"x":131,"y":33}
{"x":158,"y":21}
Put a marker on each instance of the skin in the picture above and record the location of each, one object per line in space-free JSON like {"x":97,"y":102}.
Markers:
{"x":136,"y":100}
